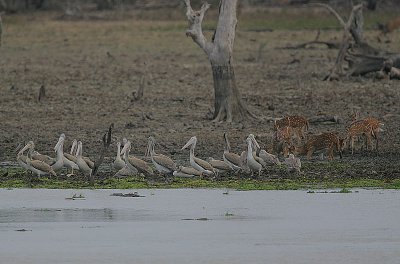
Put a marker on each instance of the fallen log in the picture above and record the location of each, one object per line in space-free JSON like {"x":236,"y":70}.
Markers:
{"x":360,"y":56}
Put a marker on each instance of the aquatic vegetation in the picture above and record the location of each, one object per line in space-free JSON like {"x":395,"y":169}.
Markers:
{"x":16,"y":178}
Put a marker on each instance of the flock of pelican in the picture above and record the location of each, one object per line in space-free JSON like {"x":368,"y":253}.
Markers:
{"x":252,"y":160}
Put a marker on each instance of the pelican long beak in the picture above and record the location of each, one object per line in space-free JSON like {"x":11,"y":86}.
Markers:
{"x":60,"y":141}
{"x":148,"y":150}
{"x":125,"y":148}
{"x":79,"y":149}
{"x":190,"y":142}
{"x":27,"y":146}
{"x":254,"y":141}
{"x":73,"y":147}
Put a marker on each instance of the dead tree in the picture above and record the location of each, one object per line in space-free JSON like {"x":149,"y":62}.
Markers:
{"x":1,"y":30}
{"x":360,"y":56}
{"x":136,"y":96}
{"x":228,"y":104}
{"x":42,"y":93}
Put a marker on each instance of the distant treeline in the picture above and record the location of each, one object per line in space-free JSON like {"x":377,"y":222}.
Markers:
{"x":13,"y":6}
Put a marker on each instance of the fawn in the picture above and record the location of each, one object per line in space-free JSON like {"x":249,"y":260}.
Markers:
{"x":369,"y":127}
{"x":328,"y":141}
{"x":296,"y":123}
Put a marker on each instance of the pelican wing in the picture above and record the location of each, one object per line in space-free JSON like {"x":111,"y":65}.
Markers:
{"x":165,"y":161}
{"x":44,"y":158}
{"x":204,"y":164}
{"x":259,"y":160}
{"x":269,"y":158}
{"x":125,"y":172}
{"x":140,"y":165}
{"x":89,"y":162}
{"x":70,"y":157}
{"x":190,"y":171}
{"x":233,"y":158}
{"x":42,"y":166}
{"x":220,"y":165}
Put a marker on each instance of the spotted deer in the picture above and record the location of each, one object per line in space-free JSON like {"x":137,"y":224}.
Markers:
{"x":369,"y":127}
{"x":390,"y":26}
{"x":298,"y":125}
{"x":355,"y":116}
{"x":326,"y":141}
{"x":282,"y":140}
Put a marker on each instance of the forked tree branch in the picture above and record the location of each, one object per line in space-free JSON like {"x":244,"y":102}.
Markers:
{"x":195,"y":31}
{"x":337,"y":69}
{"x":333,"y":11}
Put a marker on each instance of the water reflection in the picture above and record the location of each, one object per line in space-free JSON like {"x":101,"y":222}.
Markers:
{"x":69,"y":215}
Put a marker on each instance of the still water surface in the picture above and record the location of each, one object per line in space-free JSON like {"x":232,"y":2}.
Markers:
{"x":242,"y":227}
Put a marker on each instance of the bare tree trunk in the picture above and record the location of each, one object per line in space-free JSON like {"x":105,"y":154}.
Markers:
{"x":228,"y":104}
{"x":1,"y":30}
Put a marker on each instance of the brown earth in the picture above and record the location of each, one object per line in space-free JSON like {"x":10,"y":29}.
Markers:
{"x":91,"y":68}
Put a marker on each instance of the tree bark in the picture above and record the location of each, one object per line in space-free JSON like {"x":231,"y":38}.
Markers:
{"x":1,"y":30}
{"x":228,"y":104}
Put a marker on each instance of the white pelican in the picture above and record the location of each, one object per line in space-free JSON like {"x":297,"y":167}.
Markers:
{"x":251,"y":162}
{"x":163,"y":164}
{"x":232,"y":159}
{"x":187,"y":172}
{"x":292,"y":163}
{"x":125,"y":172}
{"x":135,"y":163}
{"x":263,"y":157}
{"x":21,"y":159}
{"x":59,"y":149}
{"x":72,"y":158}
{"x":36,"y":166}
{"x":69,"y":160}
{"x":83,"y":166}
{"x":199,"y":164}
{"x":256,"y":150}
{"x":243,"y":160}
{"x":118,"y":163}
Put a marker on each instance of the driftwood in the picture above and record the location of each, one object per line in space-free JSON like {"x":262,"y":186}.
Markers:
{"x":360,"y":56}
{"x":106,"y":145}
{"x":361,"y":64}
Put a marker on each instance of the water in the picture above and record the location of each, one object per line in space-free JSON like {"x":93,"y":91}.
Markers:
{"x":242,"y":227}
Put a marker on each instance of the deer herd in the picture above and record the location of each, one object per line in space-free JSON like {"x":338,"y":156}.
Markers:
{"x":294,"y":127}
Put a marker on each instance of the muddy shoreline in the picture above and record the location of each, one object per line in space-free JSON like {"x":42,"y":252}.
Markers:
{"x":87,"y":90}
